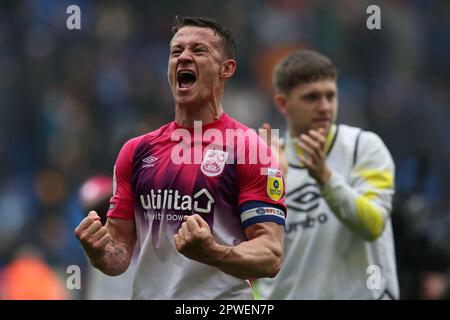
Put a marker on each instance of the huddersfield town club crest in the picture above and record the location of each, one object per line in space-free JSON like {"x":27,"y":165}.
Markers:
{"x":274,"y":184}
{"x":214,"y":162}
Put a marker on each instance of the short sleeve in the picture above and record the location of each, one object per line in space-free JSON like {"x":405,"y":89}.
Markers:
{"x":122,"y":201}
{"x":261,"y":186}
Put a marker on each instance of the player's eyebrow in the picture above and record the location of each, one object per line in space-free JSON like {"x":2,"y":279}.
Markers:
{"x":192,"y":45}
{"x":198,"y":44}
{"x":309,"y":93}
{"x":319,"y":92}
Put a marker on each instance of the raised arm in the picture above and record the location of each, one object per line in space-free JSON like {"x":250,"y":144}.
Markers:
{"x":109,"y":247}
{"x":365,"y":203}
{"x":260,"y":256}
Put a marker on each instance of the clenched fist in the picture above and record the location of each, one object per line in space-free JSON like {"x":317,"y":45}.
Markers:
{"x":194,"y":239}
{"x":92,"y":235}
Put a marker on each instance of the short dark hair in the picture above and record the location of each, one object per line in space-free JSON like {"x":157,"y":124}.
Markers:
{"x":228,"y":44}
{"x":301,"y":66}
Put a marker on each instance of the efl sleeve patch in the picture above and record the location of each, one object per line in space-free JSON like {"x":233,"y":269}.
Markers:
{"x":274,"y":184}
{"x":256,"y":212}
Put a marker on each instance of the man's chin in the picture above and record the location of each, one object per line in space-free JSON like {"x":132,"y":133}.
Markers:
{"x":186,"y":100}
{"x":191,"y":100}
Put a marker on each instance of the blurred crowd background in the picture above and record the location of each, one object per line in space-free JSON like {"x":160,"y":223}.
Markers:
{"x":70,"y":98}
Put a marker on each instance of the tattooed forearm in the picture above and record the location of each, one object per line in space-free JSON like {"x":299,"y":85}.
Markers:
{"x":115,"y":259}
{"x":114,"y":249}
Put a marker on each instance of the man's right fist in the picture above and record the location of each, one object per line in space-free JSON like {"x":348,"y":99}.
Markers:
{"x":92,"y":235}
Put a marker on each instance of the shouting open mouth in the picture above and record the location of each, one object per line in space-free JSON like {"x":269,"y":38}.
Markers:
{"x":186,"y":79}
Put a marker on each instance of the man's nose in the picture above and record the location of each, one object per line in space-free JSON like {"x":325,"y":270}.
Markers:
{"x":324,"y":105}
{"x":185,"y":56}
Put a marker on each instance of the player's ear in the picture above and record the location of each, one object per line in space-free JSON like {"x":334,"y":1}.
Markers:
{"x":227,"y":69}
{"x":280,"y":101}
